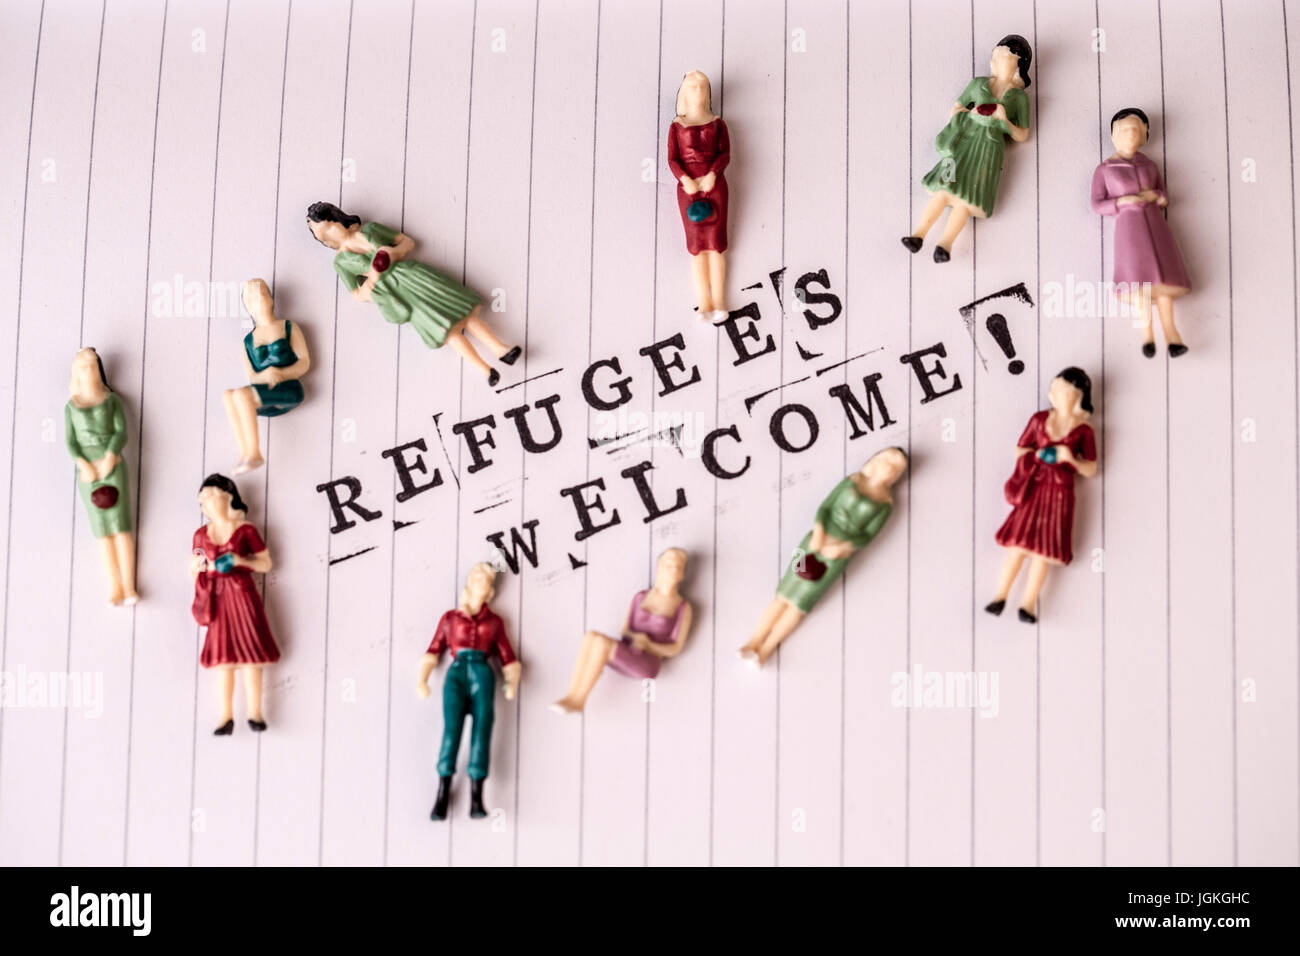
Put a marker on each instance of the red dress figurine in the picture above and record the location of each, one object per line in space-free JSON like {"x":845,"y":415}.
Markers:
{"x":698,"y":152}
{"x":1056,"y":445}
{"x":227,"y":601}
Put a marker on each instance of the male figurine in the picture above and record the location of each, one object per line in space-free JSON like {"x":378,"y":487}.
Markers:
{"x":472,"y":631}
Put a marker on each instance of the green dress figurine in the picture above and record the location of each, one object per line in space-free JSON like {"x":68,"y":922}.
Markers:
{"x":95,"y":432}
{"x":372,"y":262}
{"x":971,"y":145}
{"x":850,"y":517}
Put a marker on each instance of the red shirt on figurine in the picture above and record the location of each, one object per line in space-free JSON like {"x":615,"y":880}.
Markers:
{"x":457,"y":631}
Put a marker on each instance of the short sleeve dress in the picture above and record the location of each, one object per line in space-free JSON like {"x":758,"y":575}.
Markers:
{"x":408,"y":291}
{"x":238,"y":632}
{"x":971,"y":146}
{"x":1042,"y":495}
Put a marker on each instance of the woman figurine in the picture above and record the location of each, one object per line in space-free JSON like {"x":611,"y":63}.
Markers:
{"x":372,"y":262}
{"x":658,"y":622}
{"x":95,"y":432}
{"x":227,"y":552}
{"x":276,"y":358}
{"x":971,"y":145}
{"x":473,"y":633}
{"x":1057,"y":444}
{"x":698,"y":152}
{"x":1147,"y":265}
{"x":850,"y":517}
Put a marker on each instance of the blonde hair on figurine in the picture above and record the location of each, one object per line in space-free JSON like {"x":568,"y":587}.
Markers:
{"x":481,"y":568}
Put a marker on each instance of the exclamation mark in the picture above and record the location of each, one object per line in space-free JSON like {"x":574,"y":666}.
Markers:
{"x":997,"y":326}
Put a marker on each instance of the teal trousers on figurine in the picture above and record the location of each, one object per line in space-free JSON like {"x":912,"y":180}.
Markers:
{"x":469,"y":689}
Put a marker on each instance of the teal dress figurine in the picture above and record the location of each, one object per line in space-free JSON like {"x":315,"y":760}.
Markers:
{"x":971,"y":145}
{"x":276,"y":359}
{"x":850,"y":517}
{"x":95,"y":433}
{"x":372,"y":261}
{"x":474,"y":634}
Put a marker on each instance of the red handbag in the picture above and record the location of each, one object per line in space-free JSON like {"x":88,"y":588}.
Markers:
{"x":203,"y":608}
{"x":1022,"y":479}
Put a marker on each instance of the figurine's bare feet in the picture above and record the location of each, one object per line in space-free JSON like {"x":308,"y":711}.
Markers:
{"x":249,"y":464}
{"x":566,"y":705}
{"x":750,"y":656}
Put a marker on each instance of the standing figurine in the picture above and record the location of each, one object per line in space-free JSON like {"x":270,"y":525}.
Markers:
{"x":227,"y":552}
{"x":1147,"y":264}
{"x":970,"y":146}
{"x":472,"y":631}
{"x":850,"y":517}
{"x":1057,"y":444}
{"x":657,"y":624}
{"x":372,"y":262}
{"x":95,"y":432}
{"x":698,"y":152}
{"x":276,"y":358}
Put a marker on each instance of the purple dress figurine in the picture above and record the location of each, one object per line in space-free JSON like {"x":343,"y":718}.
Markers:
{"x":658,"y":621}
{"x":1148,"y":267}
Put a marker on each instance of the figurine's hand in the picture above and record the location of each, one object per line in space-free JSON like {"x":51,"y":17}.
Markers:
{"x":639,"y":640}
{"x":1162,"y":201}
{"x":198,"y":563}
{"x":422,"y":690}
{"x":690,"y":185}
{"x":1149,"y":195}
{"x":957,"y":108}
{"x":1063,"y":454}
{"x":512,"y":672}
{"x":707,"y":182}
{"x":85,"y":471}
{"x":270,"y":376}
{"x":817,"y":539}
{"x":104,"y":467}
{"x":394,"y":254}
{"x":362,"y":292}
{"x":1129,"y":200}
{"x":1001,"y":113}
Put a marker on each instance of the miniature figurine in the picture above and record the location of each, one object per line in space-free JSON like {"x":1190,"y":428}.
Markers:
{"x":970,"y":146}
{"x":95,"y":432}
{"x":227,"y":552}
{"x":372,"y":262}
{"x":276,"y":358}
{"x":850,"y":517}
{"x":698,"y":152}
{"x":473,"y":632}
{"x":657,"y":625}
{"x":1147,"y":264}
{"x":1057,"y":444}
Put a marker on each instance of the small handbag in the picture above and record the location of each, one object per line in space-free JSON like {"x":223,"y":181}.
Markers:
{"x":809,"y":567}
{"x":700,"y":210}
{"x":204,"y":606}
{"x":103,"y":497}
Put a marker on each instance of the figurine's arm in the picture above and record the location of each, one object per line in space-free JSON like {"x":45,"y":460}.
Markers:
{"x":723,"y":157}
{"x":258,"y":562}
{"x":680,"y":632}
{"x":511,"y":669}
{"x":84,"y":468}
{"x":427,"y":663}
{"x":1161,"y":197}
{"x":112,"y":454}
{"x":1102,"y":201}
{"x":675,"y":162}
{"x":400,"y":247}
{"x":298,"y":342}
{"x":1017,"y":133}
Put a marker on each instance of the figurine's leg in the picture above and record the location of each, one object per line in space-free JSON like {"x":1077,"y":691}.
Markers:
{"x":956,"y":223}
{"x":1010,"y":568}
{"x":253,"y":692}
{"x":933,"y":210}
{"x":784,"y":627}
{"x":765,"y":623}
{"x":1165,"y":303}
{"x":1038,"y":569}
{"x":476,"y":327}
{"x":455,"y":704}
{"x":108,"y":555}
{"x":456,"y":339}
{"x":718,"y":280}
{"x":703,"y":287}
{"x":594,"y":654}
{"x":482,"y":690}
{"x":226,"y":692}
{"x":245,"y":405}
{"x":124,"y":548}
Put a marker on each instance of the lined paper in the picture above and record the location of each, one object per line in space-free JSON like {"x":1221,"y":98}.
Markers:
{"x":1149,"y":718}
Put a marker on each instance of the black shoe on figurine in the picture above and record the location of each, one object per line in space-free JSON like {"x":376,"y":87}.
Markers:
{"x":995,"y":607}
{"x":493,"y":377}
{"x":1027,"y":616}
{"x":476,"y":810}
{"x":256,"y":725}
{"x":225,"y":730}
{"x":440,"y":802}
{"x":913,"y":244}
{"x":1176,"y":349}
{"x":511,"y":357}
{"x":941,"y":254}
{"x":1149,"y":349}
